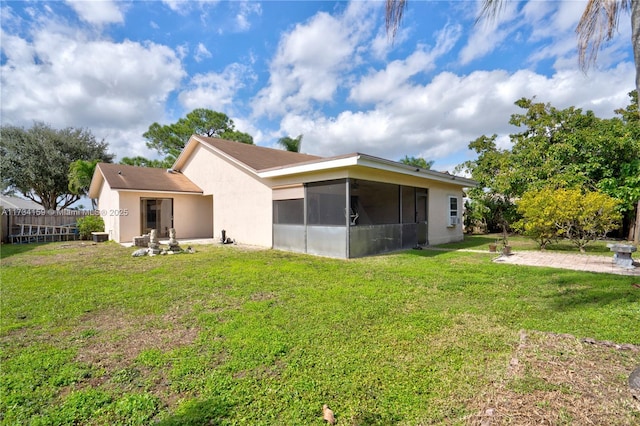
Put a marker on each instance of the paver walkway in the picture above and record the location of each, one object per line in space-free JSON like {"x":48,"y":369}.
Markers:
{"x":574,"y":261}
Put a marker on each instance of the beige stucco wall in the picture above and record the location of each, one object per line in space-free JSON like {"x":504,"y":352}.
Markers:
{"x":242,"y":204}
{"x":108,"y":201}
{"x":191,"y":214}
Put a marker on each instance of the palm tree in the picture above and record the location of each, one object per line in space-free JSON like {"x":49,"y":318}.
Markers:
{"x":291,"y":144}
{"x":80,"y":175}
{"x":597,"y":24}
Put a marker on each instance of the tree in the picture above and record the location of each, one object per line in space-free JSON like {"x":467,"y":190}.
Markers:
{"x":417,"y":162}
{"x":291,"y":144}
{"x":80,"y":175}
{"x":580,"y":216}
{"x":36,"y":162}
{"x":540,"y":212}
{"x":145,"y":162}
{"x":598,"y":23}
{"x":586,"y":216}
{"x":170,"y":139}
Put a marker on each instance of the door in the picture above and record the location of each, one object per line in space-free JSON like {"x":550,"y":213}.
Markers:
{"x":422,"y":203}
{"x":156,"y":213}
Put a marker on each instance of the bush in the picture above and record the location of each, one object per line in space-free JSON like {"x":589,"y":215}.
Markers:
{"x":540,"y":211}
{"x":580,"y":217}
{"x":88,"y":224}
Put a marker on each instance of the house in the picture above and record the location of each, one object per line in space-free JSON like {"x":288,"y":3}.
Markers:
{"x":346,"y":206}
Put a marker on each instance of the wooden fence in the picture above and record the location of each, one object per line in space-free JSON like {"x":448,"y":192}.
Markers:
{"x":33,"y":224}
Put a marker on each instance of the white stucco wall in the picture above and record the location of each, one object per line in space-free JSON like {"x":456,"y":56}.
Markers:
{"x":242,"y":204}
{"x":439,"y":230}
{"x":191,"y":214}
{"x":108,"y":201}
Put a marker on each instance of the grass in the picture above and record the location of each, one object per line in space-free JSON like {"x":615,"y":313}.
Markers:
{"x":91,"y":335}
{"x":519,"y":243}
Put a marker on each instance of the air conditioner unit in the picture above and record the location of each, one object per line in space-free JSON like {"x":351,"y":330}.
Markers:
{"x":453,"y":221}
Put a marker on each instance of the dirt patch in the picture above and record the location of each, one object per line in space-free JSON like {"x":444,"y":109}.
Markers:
{"x":114,"y":340}
{"x":556,"y":379}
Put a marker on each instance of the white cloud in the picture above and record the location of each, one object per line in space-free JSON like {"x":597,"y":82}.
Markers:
{"x":216,"y":91}
{"x":378,"y":86}
{"x":98,"y":12}
{"x":247,"y":8}
{"x":437,"y":120}
{"x":311,"y":60}
{"x":71,"y":79}
{"x":202,"y":53}
{"x":490,"y":33}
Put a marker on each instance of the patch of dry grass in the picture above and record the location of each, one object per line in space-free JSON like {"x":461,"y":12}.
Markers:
{"x":555,"y":379}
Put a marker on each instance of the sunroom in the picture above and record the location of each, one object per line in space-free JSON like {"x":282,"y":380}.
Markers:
{"x":350,"y":217}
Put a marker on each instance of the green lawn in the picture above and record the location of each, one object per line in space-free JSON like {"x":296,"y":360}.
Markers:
{"x":91,"y":335}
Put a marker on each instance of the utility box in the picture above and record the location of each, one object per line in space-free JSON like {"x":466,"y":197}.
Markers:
{"x":100,"y":237}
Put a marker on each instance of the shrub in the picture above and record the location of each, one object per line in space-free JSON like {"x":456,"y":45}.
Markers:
{"x":540,"y":211}
{"x":580,"y":217}
{"x":88,"y":224}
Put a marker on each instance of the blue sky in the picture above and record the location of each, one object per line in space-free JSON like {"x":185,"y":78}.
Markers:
{"x":323,"y":69}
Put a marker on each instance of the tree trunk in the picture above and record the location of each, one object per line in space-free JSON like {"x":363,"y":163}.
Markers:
{"x":634,"y":229}
{"x":635,"y":43}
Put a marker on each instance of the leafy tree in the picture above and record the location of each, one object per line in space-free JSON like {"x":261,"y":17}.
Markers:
{"x":145,"y":162}
{"x":580,"y":216}
{"x":586,"y":216}
{"x":36,"y":161}
{"x":561,"y":148}
{"x":540,"y":210}
{"x":170,"y":139}
{"x":417,"y":162}
{"x":597,"y":24}
{"x":291,"y":144}
{"x":80,"y":175}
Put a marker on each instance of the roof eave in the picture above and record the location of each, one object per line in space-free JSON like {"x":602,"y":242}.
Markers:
{"x":370,"y":162}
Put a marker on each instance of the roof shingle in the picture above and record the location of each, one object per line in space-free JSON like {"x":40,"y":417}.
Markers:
{"x":258,"y":157}
{"x":121,"y":176}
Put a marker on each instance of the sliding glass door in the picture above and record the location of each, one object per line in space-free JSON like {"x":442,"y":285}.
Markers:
{"x":157,"y":213}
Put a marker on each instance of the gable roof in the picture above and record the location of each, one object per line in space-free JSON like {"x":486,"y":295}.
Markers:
{"x":252,"y":156}
{"x":269,"y":163}
{"x":134,"y":178}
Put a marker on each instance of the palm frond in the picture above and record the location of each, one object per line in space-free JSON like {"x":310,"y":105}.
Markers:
{"x":598,"y":24}
{"x":393,"y":16}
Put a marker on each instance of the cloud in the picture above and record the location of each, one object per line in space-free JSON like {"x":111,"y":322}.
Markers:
{"x":201,"y":53}
{"x":438,"y":119}
{"x":216,"y":91}
{"x":247,"y":8}
{"x":379,"y":85}
{"x":488,"y":34}
{"x":69,"y":78}
{"x":312,"y":59}
{"x":98,"y":12}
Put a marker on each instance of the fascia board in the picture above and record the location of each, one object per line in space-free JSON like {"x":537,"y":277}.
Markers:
{"x":310,"y":167}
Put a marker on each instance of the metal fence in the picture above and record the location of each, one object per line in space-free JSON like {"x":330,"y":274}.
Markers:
{"x":31,"y":225}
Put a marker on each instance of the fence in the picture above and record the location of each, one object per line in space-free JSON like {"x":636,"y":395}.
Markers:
{"x":29,"y":225}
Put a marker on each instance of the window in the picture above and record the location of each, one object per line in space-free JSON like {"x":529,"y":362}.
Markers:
{"x":290,"y":212}
{"x":454,"y":213}
{"x":326,"y":203}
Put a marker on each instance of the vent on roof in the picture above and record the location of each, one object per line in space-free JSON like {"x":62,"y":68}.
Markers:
{"x":170,"y":171}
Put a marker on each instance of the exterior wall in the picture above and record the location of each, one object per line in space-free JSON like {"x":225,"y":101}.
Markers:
{"x":439,"y":230}
{"x":109,"y":201}
{"x":242,"y":203}
{"x":192,"y":214}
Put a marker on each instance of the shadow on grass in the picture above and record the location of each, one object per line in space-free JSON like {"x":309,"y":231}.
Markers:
{"x":196,"y":413}
{"x":7,"y":250}
{"x":576,"y":294}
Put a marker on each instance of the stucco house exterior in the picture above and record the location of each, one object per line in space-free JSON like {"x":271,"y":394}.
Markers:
{"x":346,"y":206}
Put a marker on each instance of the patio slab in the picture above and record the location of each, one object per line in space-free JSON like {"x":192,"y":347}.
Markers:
{"x":573,"y":261}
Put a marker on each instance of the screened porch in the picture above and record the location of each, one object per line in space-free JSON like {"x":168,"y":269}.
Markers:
{"x":349,"y":217}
